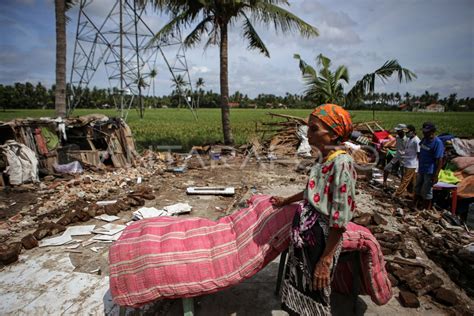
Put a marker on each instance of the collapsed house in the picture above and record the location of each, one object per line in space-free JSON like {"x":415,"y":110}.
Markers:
{"x":95,"y":141}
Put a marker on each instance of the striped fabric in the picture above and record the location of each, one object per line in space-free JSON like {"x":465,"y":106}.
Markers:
{"x":171,"y":257}
{"x":375,"y":281}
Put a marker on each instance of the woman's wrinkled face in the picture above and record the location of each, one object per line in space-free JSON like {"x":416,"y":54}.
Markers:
{"x":320,"y":135}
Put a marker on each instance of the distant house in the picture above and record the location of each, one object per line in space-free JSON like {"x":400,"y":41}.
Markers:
{"x":435,"y":107}
{"x":234,"y":104}
{"x":404,"y":107}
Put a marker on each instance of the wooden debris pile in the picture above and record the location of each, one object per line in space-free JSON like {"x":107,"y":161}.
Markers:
{"x":284,"y":140}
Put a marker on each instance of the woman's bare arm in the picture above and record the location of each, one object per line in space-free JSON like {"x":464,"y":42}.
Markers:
{"x":322,"y":270}
{"x":280,"y":201}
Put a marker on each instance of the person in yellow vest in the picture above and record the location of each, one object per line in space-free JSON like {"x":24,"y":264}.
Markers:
{"x":317,"y":229}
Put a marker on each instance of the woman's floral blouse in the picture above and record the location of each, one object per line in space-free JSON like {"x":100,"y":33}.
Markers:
{"x":331,"y":189}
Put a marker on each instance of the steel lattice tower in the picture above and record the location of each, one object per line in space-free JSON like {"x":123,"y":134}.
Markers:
{"x":120,"y":42}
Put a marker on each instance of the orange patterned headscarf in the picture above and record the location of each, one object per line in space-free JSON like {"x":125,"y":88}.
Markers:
{"x":338,"y":119}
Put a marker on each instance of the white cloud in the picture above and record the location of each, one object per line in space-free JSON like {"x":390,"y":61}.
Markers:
{"x":433,"y":38}
{"x":199,"y":70}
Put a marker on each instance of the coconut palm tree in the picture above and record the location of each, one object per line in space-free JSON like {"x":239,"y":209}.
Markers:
{"x":213,"y":18}
{"x":199,"y":84}
{"x":326,"y":86}
{"x":178,"y":83}
{"x":60,"y":7}
{"x":153,"y":74}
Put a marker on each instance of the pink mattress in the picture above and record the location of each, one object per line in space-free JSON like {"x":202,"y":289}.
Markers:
{"x":172,"y":257}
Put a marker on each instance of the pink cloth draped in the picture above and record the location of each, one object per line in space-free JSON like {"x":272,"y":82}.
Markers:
{"x":172,"y":257}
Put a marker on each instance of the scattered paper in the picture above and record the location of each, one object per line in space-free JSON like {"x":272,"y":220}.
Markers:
{"x":88,"y":242}
{"x":178,"y":208}
{"x":104,"y":203}
{"x":107,"y":218}
{"x":139,"y":180}
{"x":55,"y":241}
{"x":109,"y":229}
{"x":80,"y":230}
{"x":96,"y":249}
{"x":148,"y":212}
{"x":66,"y":237}
{"x":106,"y":238}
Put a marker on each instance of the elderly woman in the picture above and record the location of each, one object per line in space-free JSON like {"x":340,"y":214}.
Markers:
{"x":328,"y":206}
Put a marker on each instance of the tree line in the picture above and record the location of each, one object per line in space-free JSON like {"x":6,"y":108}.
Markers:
{"x":37,"y":96}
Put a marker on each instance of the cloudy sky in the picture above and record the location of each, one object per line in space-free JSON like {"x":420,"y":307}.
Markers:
{"x":434,"y":38}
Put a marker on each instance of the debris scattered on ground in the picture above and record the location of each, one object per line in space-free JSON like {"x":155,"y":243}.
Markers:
{"x":148,"y":212}
{"x":109,"y":229}
{"x":178,"y":208}
{"x":211,"y":190}
{"x":429,"y":254}
{"x":107,"y":218}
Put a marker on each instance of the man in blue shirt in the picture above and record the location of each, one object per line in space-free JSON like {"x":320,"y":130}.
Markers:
{"x":430,"y":162}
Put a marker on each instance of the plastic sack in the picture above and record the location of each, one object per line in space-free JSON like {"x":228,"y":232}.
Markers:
{"x":304,"y":149}
{"x":72,"y":167}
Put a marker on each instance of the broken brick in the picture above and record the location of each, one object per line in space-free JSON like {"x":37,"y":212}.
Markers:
{"x":48,"y":229}
{"x":408,"y":299}
{"x":390,"y":237}
{"x":16,"y":218}
{"x":379,"y":219}
{"x":364,"y":219}
{"x":408,"y":253}
{"x":445,"y":296}
{"x":111,"y":209}
{"x":29,"y":242}
{"x":9,"y":253}
{"x":423,"y":285}
{"x":407,"y":274}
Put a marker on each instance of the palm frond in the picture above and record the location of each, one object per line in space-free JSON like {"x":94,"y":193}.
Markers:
{"x":172,"y":27}
{"x":255,"y":42}
{"x":195,"y":36}
{"x":342,"y":73}
{"x":268,"y":13}
{"x":367,"y":83}
{"x":305,"y":68}
{"x":323,"y":61}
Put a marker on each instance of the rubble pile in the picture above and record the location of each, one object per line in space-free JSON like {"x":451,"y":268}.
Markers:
{"x":429,"y":254}
{"x":65,"y":200}
{"x":415,"y":244}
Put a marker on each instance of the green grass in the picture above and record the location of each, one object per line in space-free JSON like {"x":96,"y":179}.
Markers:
{"x":178,"y":127}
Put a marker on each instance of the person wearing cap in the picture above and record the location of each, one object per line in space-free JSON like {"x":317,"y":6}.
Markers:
{"x":410,"y":160}
{"x":430,"y":163}
{"x":401,"y":141}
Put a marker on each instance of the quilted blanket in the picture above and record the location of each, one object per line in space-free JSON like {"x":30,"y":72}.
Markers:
{"x":172,"y":257}
{"x":374,"y":278}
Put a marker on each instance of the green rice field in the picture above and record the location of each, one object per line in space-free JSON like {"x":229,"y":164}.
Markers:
{"x":178,"y":126}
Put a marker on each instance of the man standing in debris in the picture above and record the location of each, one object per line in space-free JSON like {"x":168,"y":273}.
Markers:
{"x":430,"y":163}
{"x":397,"y":160}
{"x":410,"y":161}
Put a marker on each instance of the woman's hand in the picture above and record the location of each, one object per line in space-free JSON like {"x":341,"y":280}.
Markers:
{"x":278,"y":201}
{"x":321,"y":275}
